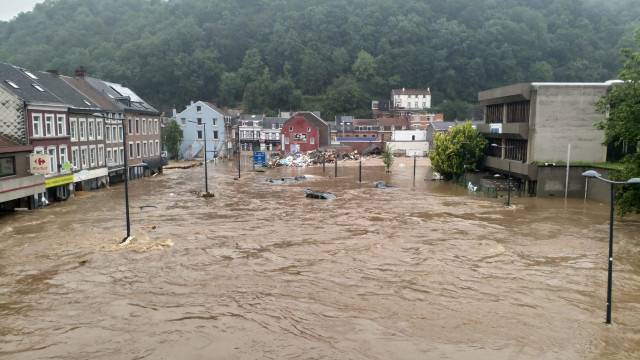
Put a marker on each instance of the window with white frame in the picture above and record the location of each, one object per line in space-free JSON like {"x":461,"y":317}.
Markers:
{"x":36,"y":125}
{"x":109,"y":156}
{"x":75,"y":157}
{"x":48,"y":125}
{"x":199,"y":134}
{"x":157,"y":147}
{"x":63,"y":154}
{"x":214,"y":121}
{"x":215,"y":134}
{"x":100,"y":155}
{"x":92,"y":155}
{"x":99,"y":129}
{"x":144,"y":149}
{"x":73,"y":125}
{"x":91,"y":124}
{"x":61,"y":125}
{"x":131,"y":154}
{"x":138,"y":149}
{"x":144,"y":126}
{"x":151,"y":148}
{"x":121,"y":155}
{"x":53,"y":159}
{"x":137,"y":126}
{"x":82,"y":129}
{"x":107,"y":134}
{"x":84,"y":156}
{"x":121,"y":135}
{"x":157,"y":126}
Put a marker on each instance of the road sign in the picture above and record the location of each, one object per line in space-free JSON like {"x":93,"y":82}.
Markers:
{"x":39,"y":164}
{"x":259,"y":158}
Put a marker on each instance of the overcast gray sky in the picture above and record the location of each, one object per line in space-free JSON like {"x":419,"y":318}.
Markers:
{"x":11,"y":8}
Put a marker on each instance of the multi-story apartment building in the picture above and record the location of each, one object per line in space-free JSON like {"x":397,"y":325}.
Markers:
{"x":249,"y":128}
{"x":142,"y":127}
{"x":112,"y":117}
{"x":45,"y":117}
{"x":533,"y":124}
{"x":195,"y":119}
{"x":86,"y":127}
{"x":270,"y":135}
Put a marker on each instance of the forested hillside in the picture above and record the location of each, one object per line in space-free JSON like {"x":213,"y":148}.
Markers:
{"x":328,"y":55}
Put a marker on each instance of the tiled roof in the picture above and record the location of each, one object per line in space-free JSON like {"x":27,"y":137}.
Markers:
{"x":65,"y":92}
{"x":410,"y":91}
{"x":17,"y":81}
{"x":122,"y":96}
{"x":269,"y":121}
{"x":97,"y":97}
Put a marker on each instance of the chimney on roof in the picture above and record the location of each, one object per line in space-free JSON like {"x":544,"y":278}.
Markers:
{"x":53,"y":72}
{"x":81,"y":72}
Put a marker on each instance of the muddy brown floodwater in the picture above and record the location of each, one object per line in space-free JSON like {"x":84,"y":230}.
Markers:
{"x":413,"y":272}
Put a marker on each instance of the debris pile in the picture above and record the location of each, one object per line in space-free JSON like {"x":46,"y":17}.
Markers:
{"x":310,"y":158}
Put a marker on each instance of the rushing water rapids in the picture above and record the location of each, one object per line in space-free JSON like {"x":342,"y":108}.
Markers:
{"x":259,"y":272}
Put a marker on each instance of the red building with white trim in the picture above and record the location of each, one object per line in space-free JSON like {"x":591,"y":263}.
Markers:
{"x":304,"y":131}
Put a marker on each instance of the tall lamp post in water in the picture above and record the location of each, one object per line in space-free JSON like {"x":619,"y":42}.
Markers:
{"x":509,"y":178}
{"x":126,"y":171}
{"x":632,"y":181}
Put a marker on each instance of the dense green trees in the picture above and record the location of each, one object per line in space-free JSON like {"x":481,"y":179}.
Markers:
{"x":171,"y":139}
{"x":289,"y":54}
{"x":622,"y":126}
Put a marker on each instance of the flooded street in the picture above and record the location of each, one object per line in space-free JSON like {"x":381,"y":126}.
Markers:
{"x":412,"y":272}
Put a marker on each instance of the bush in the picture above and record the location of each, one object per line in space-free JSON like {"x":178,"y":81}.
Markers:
{"x":457,"y":150}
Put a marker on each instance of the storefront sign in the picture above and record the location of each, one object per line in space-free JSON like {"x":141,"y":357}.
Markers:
{"x":39,"y":164}
{"x":57,"y":181}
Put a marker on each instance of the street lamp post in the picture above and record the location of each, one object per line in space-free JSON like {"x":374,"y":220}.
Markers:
{"x":632,"y":181}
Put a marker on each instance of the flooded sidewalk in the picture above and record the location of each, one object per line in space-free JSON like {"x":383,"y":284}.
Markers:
{"x":420,"y":270}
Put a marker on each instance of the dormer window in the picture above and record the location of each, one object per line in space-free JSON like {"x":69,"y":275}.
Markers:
{"x":29,"y":74}
{"x":38,"y":87}
{"x":86,"y":102}
{"x":12,"y":84}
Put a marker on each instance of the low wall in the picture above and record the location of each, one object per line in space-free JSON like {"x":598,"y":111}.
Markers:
{"x":551,"y":182}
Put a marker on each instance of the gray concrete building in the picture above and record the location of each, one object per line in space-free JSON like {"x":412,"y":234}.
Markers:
{"x":534,"y":123}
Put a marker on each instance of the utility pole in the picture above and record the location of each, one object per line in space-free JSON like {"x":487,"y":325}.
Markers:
{"x":206,"y":180}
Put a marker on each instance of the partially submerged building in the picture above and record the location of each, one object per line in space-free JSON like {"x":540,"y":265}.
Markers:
{"x":532,"y":125}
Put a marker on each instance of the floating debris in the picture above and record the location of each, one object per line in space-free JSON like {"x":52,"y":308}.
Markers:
{"x":318,"y":194}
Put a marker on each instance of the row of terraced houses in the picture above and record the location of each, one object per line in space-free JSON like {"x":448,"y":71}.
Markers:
{"x":60,"y":134}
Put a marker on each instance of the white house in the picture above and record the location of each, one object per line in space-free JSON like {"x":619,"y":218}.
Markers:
{"x":411,"y":99}
{"x":409,"y":142}
{"x":193,"y":121}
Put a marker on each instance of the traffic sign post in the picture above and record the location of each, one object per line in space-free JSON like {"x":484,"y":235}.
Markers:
{"x":259,"y":158}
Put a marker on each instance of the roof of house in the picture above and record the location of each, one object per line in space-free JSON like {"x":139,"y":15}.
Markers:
{"x":404,"y":91}
{"x":26,"y":85}
{"x":122,"y":96}
{"x":66,"y":92}
{"x":445,"y":125}
{"x":97,"y":97}
{"x":254,"y":117}
{"x":269,"y":121}
{"x":312,"y":118}
{"x":215,"y":107}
